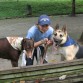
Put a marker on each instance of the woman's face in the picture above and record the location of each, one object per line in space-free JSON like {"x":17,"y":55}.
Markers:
{"x":43,"y":28}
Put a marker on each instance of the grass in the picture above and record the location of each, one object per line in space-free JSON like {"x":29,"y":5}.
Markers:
{"x":12,"y":8}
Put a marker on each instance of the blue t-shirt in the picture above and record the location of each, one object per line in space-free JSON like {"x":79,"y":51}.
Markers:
{"x":35,"y":33}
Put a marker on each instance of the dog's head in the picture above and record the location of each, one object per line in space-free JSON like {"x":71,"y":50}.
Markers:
{"x":60,"y":35}
{"x":28,"y":46}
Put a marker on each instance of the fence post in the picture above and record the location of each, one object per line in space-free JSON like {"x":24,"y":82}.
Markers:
{"x":73,"y":8}
{"x":28,"y":10}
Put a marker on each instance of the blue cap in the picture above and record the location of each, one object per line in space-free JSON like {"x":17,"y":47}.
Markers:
{"x":44,"y":20}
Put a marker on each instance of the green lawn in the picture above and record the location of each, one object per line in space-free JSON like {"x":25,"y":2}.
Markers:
{"x":12,"y":8}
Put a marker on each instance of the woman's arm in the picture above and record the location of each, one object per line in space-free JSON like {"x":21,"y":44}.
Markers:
{"x":36,"y":44}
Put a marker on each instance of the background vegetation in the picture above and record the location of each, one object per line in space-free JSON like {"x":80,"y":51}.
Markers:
{"x":17,"y":8}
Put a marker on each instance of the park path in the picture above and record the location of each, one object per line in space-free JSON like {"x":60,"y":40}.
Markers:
{"x":20,"y":26}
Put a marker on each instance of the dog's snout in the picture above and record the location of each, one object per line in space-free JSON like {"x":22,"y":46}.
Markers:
{"x":56,"y":41}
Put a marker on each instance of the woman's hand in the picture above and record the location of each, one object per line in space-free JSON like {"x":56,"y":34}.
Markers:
{"x":49,"y":42}
{"x":44,"y":41}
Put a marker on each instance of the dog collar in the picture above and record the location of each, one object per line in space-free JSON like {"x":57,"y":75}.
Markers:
{"x":69,"y":42}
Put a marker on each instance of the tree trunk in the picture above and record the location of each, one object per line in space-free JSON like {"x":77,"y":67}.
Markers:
{"x":17,"y":0}
{"x":73,"y":8}
{"x":28,"y":10}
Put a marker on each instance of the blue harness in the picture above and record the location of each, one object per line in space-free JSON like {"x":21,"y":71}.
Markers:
{"x":69,"y":42}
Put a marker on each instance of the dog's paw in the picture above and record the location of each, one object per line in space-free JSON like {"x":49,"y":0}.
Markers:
{"x":62,"y":77}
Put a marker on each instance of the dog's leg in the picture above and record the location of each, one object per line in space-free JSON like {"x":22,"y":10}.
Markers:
{"x":70,"y":57}
{"x":71,"y":52}
{"x":14,"y":63}
{"x":44,"y":54}
{"x":38,"y":58}
{"x":62,"y":58}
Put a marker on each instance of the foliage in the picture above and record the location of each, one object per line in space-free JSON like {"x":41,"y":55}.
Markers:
{"x":12,"y":8}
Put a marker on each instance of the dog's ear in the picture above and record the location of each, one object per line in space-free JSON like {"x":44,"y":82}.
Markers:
{"x":56,"y":27}
{"x":64,"y":28}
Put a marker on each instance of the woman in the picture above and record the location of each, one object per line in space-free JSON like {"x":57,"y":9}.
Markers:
{"x":41,"y":33}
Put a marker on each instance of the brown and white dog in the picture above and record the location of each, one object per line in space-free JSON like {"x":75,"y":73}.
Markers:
{"x":66,"y":46}
{"x":11,"y":48}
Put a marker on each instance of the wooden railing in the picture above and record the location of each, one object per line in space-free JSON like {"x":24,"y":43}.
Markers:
{"x":47,"y":73}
